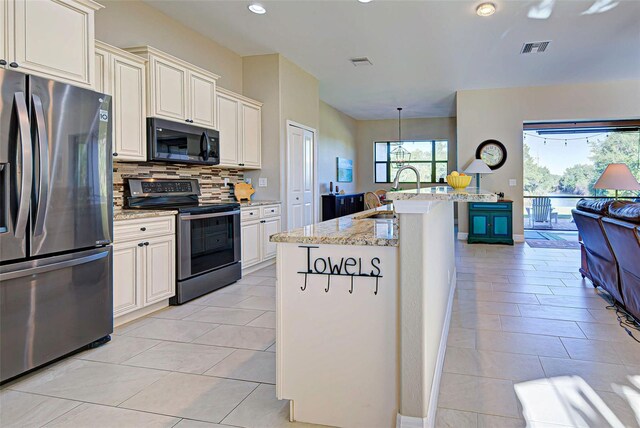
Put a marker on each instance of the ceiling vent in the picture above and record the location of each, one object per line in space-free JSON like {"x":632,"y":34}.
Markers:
{"x":361,"y":62}
{"x":535,"y":47}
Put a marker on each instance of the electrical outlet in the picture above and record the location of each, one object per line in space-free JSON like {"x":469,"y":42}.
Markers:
{"x":226,"y":182}
{"x":262,"y":182}
{"x":512,"y":182}
{"x":247,"y":180}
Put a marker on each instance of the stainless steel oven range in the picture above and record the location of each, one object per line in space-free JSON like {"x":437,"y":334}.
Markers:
{"x":208,"y":235}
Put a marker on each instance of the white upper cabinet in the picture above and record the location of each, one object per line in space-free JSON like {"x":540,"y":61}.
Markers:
{"x":229,"y":127}
{"x":51,"y":38}
{"x":122,"y":75}
{"x":240,"y":125}
{"x":169,"y":90}
{"x":177,"y":90}
{"x":202,"y":94}
{"x":251,"y":134}
{"x":4,"y":30}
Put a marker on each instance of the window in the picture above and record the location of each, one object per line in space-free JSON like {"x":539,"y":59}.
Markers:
{"x":429,"y":157}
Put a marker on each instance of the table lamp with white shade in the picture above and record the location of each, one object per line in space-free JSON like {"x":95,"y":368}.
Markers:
{"x":477,"y":167}
{"x":617,"y":176}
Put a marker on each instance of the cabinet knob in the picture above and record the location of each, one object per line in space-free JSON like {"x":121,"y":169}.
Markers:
{"x":3,"y":62}
{"x":146,"y":244}
{"x":143,"y":229}
{"x":263,"y":221}
{"x":240,"y":164}
{"x":13,"y":65}
{"x":250,"y":213}
{"x":141,"y":244}
{"x":115,"y":154}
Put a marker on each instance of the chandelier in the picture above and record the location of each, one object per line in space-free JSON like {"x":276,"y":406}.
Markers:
{"x":400,"y":155}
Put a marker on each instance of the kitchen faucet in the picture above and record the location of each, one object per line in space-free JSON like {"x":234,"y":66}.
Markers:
{"x":396,"y":182}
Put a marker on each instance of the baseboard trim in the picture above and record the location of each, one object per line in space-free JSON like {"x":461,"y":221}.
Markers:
{"x":463,"y":236}
{"x":430,"y":420}
{"x":410,"y":422}
{"x":257,"y":267}
{"x":139,"y":313}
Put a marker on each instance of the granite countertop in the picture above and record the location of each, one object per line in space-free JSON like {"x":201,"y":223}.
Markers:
{"x":134,"y":214}
{"x":355,"y":229}
{"x":258,"y":203}
{"x":444,"y":193}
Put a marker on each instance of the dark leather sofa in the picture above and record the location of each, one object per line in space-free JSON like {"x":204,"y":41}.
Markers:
{"x":610,"y":237}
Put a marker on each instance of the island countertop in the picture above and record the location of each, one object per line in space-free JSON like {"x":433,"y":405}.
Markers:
{"x":444,"y":193}
{"x":354,"y":229}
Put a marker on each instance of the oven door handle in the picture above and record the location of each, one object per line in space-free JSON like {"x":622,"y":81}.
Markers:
{"x":211,"y":215}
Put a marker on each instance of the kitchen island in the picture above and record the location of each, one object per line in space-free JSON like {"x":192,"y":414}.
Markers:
{"x":362,"y":312}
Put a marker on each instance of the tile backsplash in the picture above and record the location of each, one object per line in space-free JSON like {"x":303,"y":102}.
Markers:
{"x":211,"y":179}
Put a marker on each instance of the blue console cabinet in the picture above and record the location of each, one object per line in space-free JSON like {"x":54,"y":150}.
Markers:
{"x":491,"y":222}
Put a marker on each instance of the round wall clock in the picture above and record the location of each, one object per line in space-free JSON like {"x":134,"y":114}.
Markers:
{"x":493,"y":153}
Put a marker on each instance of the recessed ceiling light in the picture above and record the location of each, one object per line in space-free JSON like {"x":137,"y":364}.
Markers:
{"x":257,"y":8}
{"x":486,"y":9}
{"x":364,"y":1}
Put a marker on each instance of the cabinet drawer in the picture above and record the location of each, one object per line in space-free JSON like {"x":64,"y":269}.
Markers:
{"x":270,"y":211}
{"x":140,"y":228}
{"x":250,"y":214}
{"x":502,"y":206}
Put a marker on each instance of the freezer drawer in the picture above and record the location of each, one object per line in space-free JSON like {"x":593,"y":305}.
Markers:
{"x":53,"y":306}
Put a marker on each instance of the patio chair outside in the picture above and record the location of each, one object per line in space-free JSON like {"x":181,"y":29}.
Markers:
{"x":541,"y":211}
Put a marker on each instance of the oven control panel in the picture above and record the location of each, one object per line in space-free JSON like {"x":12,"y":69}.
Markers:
{"x":163,"y":187}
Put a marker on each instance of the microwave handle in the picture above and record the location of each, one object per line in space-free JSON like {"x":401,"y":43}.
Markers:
{"x":204,"y":146}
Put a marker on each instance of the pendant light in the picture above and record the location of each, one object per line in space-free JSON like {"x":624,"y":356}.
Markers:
{"x":400,"y":155}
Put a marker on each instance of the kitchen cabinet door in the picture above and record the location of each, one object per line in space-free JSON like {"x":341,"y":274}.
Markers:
{"x":169,"y":90}
{"x":160,"y":272}
{"x":101,"y":80}
{"x":228,"y":110}
{"x":129,"y":111}
{"x":54,"y":39}
{"x":251,"y":117}
{"x":128,"y":272}
{"x":268,"y":228}
{"x":202,"y":100}
{"x":251,"y":234}
{"x":4,"y":33}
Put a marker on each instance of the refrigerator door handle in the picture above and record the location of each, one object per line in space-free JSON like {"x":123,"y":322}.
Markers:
{"x":43,"y":147}
{"x":53,"y":266}
{"x":27,"y":165}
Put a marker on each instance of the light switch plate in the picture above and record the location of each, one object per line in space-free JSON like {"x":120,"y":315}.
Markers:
{"x":262,"y":182}
{"x":512,"y":182}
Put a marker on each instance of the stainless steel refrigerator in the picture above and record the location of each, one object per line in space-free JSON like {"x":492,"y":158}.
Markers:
{"x":56,"y":222}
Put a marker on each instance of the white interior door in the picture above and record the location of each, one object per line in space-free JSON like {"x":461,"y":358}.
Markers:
{"x":300,"y":177}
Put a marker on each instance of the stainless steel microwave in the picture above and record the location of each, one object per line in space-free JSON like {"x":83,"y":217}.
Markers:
{"x":182,"y":143}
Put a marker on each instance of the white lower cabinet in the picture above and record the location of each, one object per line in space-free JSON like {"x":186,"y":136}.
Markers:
{"x":267,"y":228}
{"x":250,"y":243}
{"x":126,"y":275}
{"x":143,"y":263}
{"x":257,"y":226}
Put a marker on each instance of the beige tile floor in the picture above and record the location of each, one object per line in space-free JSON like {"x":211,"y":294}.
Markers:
{"x":530,"y":344}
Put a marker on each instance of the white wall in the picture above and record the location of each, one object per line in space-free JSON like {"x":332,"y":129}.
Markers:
{"x":337,"y":139}
{"x":370,"y":131}
{"x":288,"y":93}
{"x":500,"y":113}
{"x":133,"y":23}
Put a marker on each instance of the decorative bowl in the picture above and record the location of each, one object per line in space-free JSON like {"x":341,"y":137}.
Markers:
{"x":459,"y":182}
